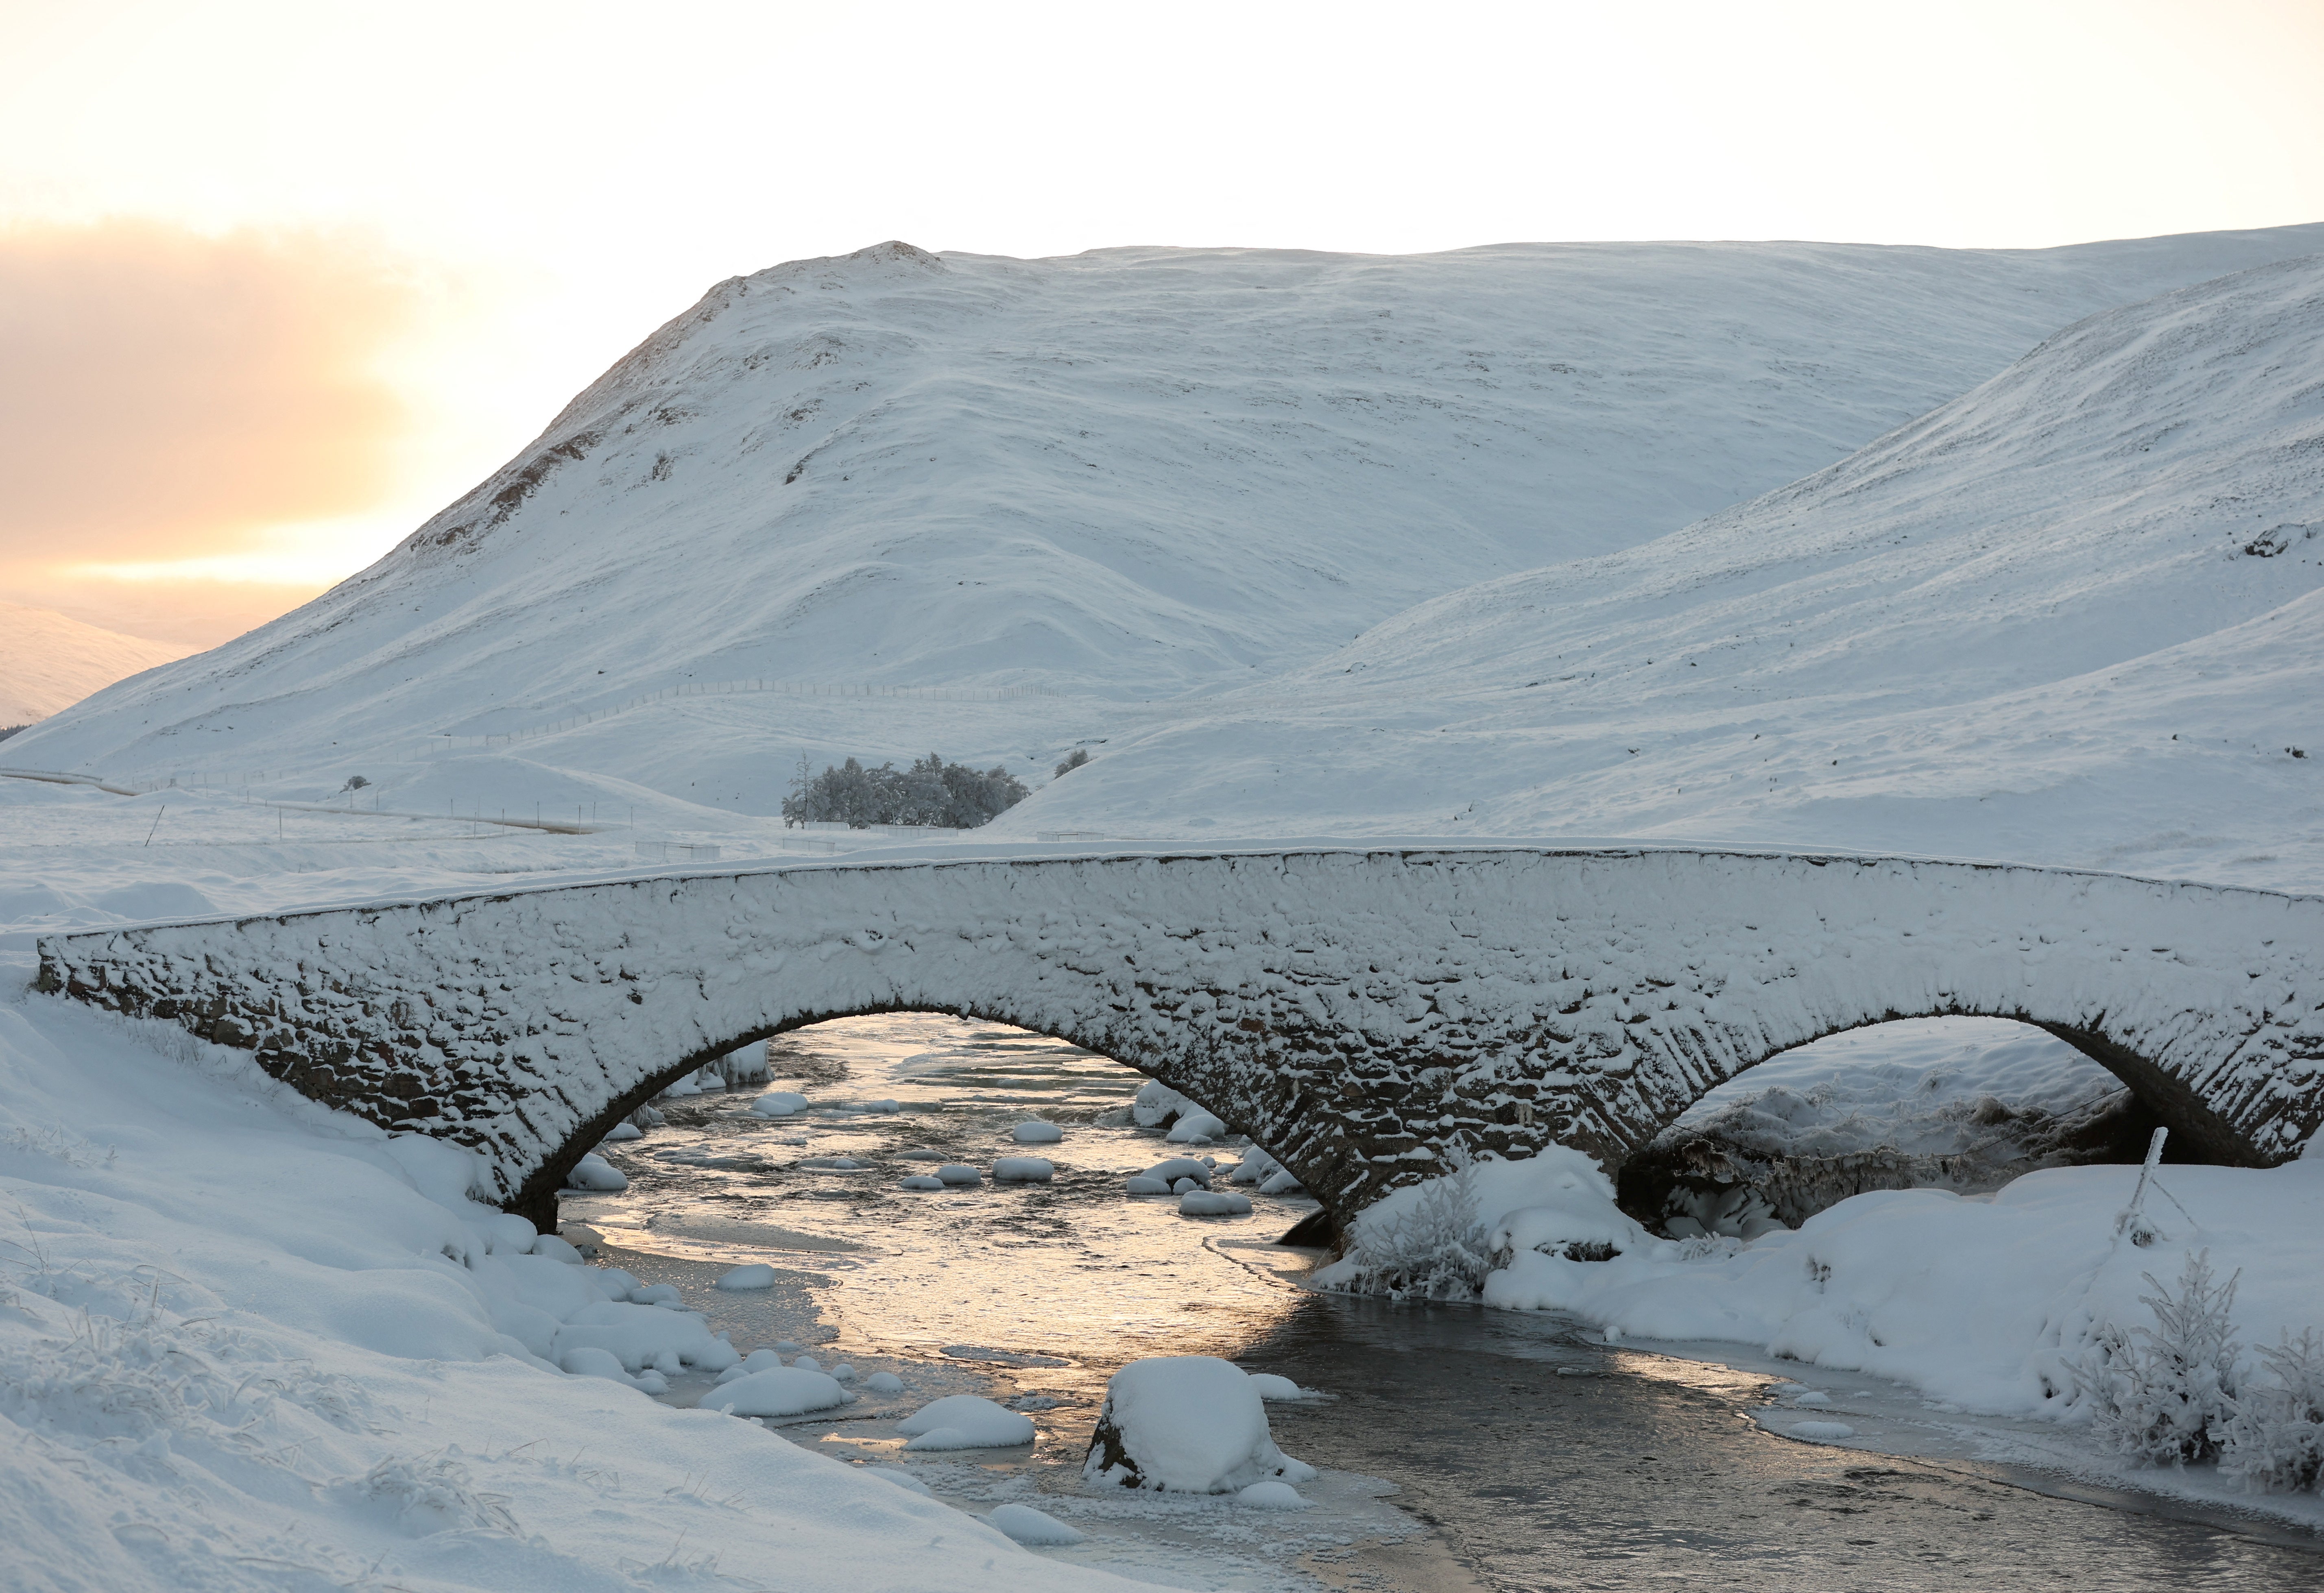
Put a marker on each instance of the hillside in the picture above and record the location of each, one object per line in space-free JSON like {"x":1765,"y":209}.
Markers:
{"x":48,"y":660}
{"x":2073,"y":616}
{"x":1127,"y":475}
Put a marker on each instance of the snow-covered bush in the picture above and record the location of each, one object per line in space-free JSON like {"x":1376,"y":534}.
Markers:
{"x":1437,"y":1249}
{"x":931,"y":792}
{"x":2164,"y":1395}
{"x":2275,"y":1441}
{"x":1073,"y":760}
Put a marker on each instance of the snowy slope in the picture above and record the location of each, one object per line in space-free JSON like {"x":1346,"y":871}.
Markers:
{"x":2073,"y":616}
{"x":246,"y":1344}
{"x":48,"y":660}
{"x":1130,"y":473}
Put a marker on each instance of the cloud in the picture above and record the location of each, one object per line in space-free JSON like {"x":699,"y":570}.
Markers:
{"x":166,"y":395}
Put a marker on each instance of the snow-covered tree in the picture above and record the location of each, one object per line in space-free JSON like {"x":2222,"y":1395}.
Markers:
{"x":2164,"y":1395}
{"x":1437,"y":1249}
{"x":2275,"y":1440}
{"x":931,"y":792}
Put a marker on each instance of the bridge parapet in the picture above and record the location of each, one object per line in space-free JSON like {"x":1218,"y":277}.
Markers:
{"x":1358,"y":1011}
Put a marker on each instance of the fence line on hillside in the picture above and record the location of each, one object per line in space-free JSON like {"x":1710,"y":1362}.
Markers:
{"x":421,"y":751}
{"x":1119,"y":712}
{"x":723,"y":688}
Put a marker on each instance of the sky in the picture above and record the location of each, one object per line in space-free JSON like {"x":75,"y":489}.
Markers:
{"x":277,"y":281}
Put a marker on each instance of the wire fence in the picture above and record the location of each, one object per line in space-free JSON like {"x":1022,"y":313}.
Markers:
{"x":727,"y":688}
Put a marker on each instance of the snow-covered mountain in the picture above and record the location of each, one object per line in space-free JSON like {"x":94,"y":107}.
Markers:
{"x":1128,"y":475}
{"x":49,"y":660}
{"x":2073,"y":616}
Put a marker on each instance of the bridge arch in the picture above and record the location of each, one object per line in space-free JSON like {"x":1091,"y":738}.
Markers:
{"x":1355,"y":1010}
{"x":1959,"y":1103}
{"x":536,"y":1198}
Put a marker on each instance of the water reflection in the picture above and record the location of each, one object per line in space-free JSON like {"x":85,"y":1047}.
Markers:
{"x":1068,"y":1269}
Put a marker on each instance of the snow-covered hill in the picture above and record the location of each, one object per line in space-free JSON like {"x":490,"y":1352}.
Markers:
{"x":2073,"y":616}
{"x":49,"y":660}
{"x":1125,"y":475}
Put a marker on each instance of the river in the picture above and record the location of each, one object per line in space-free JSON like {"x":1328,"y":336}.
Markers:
{"x":1460,"y":1447}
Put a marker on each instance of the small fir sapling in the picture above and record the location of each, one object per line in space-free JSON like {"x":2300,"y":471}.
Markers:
{"x":2275,"y":1440}
{"x":1437,"y":1250}
{"x":2164,"y":1395}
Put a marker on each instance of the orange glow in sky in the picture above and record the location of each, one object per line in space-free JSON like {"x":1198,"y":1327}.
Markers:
{"x":279,"y":280}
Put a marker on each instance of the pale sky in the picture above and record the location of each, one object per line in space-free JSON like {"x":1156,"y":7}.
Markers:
{"x":279,"y":280}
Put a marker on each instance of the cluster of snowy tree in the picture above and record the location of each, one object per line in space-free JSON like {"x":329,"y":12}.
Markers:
{"x":2177,"y":1394}
{"x":931,"y":792}
{"x":9,"y":729}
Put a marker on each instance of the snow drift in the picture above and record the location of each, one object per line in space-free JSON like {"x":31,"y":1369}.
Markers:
{"x":244,"y":1343}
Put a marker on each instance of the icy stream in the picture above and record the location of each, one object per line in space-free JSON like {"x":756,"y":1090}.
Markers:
{"x":1462,"y":1447}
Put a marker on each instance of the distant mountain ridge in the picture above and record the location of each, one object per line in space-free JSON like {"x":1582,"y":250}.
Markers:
{"x":49,"y":660}
{"x":1131,"y":474}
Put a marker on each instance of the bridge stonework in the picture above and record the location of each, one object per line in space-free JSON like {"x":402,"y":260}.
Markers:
{"x":1357,"y":1011}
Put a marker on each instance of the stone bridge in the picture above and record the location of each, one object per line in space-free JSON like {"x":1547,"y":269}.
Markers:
{"x":1356,"y":1010}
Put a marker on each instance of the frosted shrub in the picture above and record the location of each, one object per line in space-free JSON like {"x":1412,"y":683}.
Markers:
{"x":1438,"y":1249}
{"x":2163,"y":1395}
{"x":432,"y":1493}
{"x":2276,"y":1439}
{"x":1073,"y":760}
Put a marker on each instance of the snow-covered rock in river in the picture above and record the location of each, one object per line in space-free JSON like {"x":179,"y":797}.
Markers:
{"x":965,"y":1421}
{"x":779,"y":1391}
{"x":1272,"y":1496}
{"x":594,"y":1172}
{"x":1033,"y":1528}
{"x":1204,"y":1203}
{"x":1196,"y":1128}
{"x":1185,"y":1423}
{"x":1279,"y":1390}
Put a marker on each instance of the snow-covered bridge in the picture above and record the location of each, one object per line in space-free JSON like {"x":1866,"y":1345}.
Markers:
{"x":1354,"y":1009}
